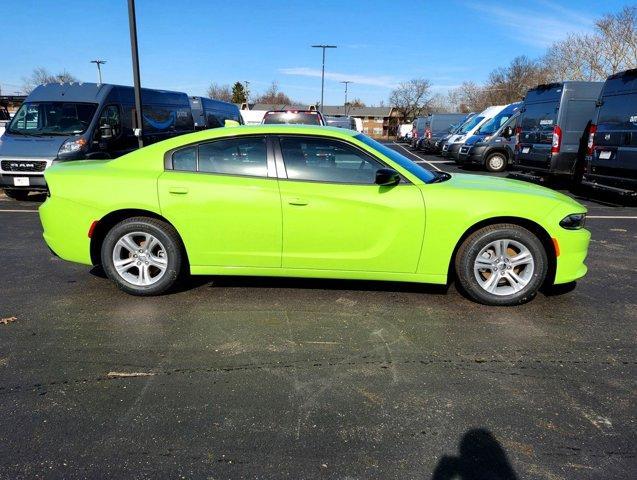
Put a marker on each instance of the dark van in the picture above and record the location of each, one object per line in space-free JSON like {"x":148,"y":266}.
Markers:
{"x":74,"y":121}
{"x":494,"y":152}
{"x":436,"y":126}
{"x":612,"y":146}
{"x":210,"y":113}
{"x":552,"y":128}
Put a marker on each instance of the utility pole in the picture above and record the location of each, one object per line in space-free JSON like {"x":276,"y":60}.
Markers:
{"x":346,"y":82}
{"x":246,"y":83}
{"x":323,"y":70}
{"x":99,"y":70}
{"x":132,"y":24}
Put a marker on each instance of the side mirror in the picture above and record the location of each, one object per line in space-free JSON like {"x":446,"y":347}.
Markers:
{"x":387,"y":177}
{"x":507,"y":132}
{"x":106,"y":132}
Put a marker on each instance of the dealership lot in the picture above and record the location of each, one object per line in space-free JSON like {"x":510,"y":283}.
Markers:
{"x":304,"y":378}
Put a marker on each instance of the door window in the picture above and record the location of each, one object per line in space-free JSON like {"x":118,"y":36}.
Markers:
{"x":326,"y":160}
{"x":109,"y":121}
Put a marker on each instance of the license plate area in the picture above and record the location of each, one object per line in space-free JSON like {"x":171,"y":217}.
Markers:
{"x":526,"y":149}
{"x":21,"y":181}
{"x":605,"y":155}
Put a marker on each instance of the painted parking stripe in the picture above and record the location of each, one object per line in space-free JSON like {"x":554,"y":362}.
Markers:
{"x":611,"y":217}
{"x":420,"y":159}
{"x":18,"y":211}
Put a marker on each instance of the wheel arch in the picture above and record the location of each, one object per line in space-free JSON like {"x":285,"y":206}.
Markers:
{"x":530,"y":225}
{"x":111,"y":219}
{"x":492,"y":150}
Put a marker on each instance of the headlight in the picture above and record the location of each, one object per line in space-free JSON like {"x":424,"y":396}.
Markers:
{"x":485,"y":139}
{"x":72,"y":146}
{"x":574,"y":221}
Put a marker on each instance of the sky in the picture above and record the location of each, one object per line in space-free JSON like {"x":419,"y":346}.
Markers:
{"x":185,"y":45}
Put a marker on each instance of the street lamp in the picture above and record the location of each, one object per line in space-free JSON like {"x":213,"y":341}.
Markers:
{"x":346,"y":82}
{"x":132,"y":25}
{"x":323,"y":70}
{"x":99,"y":70}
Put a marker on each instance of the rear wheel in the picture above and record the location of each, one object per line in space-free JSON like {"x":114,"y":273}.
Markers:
{"x":143,"y":256}
{"x":17,"y":194}
{"x":496,"y":162}
{"x":502,"y":264}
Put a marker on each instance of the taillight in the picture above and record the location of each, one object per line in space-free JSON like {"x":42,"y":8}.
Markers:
{"x":557,"y":139}
{"x":427,"y":133}
{"x":518,"y":130}
{"x":591,"y":139}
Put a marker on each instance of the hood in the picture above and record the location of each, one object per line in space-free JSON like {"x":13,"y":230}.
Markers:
{"x":485,"y":183}
{"x":473,"y":139}
{"x":30,"y":147}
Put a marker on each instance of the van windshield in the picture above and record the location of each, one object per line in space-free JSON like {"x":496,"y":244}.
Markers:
{"x":494,"y":124}
{"x":52,"y":118}
{"x":470,"y":124}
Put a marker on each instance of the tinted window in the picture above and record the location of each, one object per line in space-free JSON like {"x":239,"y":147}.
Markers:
{"x":185,"y":159}
{"x":538,"y":117}
{"x":618,"y":112}
{"x":290,"y":118}
{"x":234,"y":156}
{"x":326,"y":160}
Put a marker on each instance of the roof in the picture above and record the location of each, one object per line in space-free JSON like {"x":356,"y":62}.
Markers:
{"x":327,"y":110}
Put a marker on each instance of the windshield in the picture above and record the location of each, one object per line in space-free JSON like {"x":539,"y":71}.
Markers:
{"x":290,"y":118}
{"x":470,"y":124}
{"x":52,"y":118}
{"x":422,"y":173}
{"x":491,"y":126}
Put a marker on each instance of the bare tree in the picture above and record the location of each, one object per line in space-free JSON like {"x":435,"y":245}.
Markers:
{"x":41,"y":76}
{"x":611,"y":48}
{"x":273,"y":96}
{"x":410,"y":98}
{"x":220,"y":92}
{"x":356,"y":103}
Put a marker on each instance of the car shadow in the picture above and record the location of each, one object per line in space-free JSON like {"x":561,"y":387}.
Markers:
{"x":480,"y":457}
{"x":217,"y":281}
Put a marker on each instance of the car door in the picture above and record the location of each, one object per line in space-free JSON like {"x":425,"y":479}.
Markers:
{"x":223,"y":198}
{"x":336,"y":218}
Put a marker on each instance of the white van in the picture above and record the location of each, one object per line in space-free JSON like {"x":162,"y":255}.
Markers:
{"x":452,"y":147}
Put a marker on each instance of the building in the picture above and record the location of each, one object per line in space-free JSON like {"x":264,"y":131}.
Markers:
{"x":378,"y":122}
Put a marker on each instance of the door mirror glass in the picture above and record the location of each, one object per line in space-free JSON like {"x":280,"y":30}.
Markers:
{"x":387,"y":177}
{"x":507,"y":132}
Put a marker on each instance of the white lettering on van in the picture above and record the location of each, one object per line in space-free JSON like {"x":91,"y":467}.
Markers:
{"x":546,"y":122}
{"x":633,"y":119}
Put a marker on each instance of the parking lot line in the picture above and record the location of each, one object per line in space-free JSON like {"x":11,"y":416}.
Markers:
{"x":16,"y":211}
{"x":420,"y":159}
{"x":612,"y":217}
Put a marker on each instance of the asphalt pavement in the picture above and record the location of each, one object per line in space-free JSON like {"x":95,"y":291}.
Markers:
{"x":275,"y":378}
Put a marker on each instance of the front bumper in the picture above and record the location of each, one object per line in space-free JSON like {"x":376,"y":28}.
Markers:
{"x":454,"y":150}
{"x":573,"y":245}
{"x":472,"y":155}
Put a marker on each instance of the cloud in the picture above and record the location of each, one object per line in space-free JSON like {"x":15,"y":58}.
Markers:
{"x":384,"y":81}
{"x":540,"y":27}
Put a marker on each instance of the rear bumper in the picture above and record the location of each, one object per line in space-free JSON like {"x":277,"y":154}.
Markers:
{"x":557,"y":164}
{"x":618,"y":185}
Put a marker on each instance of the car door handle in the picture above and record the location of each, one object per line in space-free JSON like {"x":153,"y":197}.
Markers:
{"x":178,"y":190}
{"x":297,"y":201}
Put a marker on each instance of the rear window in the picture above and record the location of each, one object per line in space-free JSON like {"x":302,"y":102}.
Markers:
{"x":538,"y":117}
{"x":290,"y":118}
{"x":618,"y":112}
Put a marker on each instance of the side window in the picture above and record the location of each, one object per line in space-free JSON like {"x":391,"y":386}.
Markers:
{"x":185,"y":159}
{"x":235,"y":156}
{"x":326,"y":160}
{"x":109,"y":124}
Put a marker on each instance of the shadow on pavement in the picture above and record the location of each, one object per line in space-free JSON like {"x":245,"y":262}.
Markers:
{"x":481,"y":457}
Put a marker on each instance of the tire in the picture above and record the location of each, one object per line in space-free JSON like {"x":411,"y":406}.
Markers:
{"x":143,"y":273}
{"x":518,"y":281}
{"x":19,"y":195}
{"x":496,"y":162}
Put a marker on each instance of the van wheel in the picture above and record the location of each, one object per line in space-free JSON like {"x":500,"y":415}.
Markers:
{"x":502,"y":264}
{"x":496,"y":162}
{"x":143,"y":256}
{"x":17,"y":194}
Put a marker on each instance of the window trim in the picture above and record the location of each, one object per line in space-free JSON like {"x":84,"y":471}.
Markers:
{"x":271,"y":172}
{"x":280,"y":164}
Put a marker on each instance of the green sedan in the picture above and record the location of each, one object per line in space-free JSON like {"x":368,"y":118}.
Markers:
{"x":306,"y":201}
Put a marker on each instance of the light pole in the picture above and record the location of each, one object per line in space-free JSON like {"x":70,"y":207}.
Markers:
{"x":99,"y":70}
{"x":346,"y":82}
{"x":323,"y":70}
{"x":246,"y":83}
{"x":132,"y":25}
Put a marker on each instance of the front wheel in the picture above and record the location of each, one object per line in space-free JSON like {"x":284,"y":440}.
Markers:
{"x":496,"y":162}
{"x":143,"y":256}
{"x":501,"y":264}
